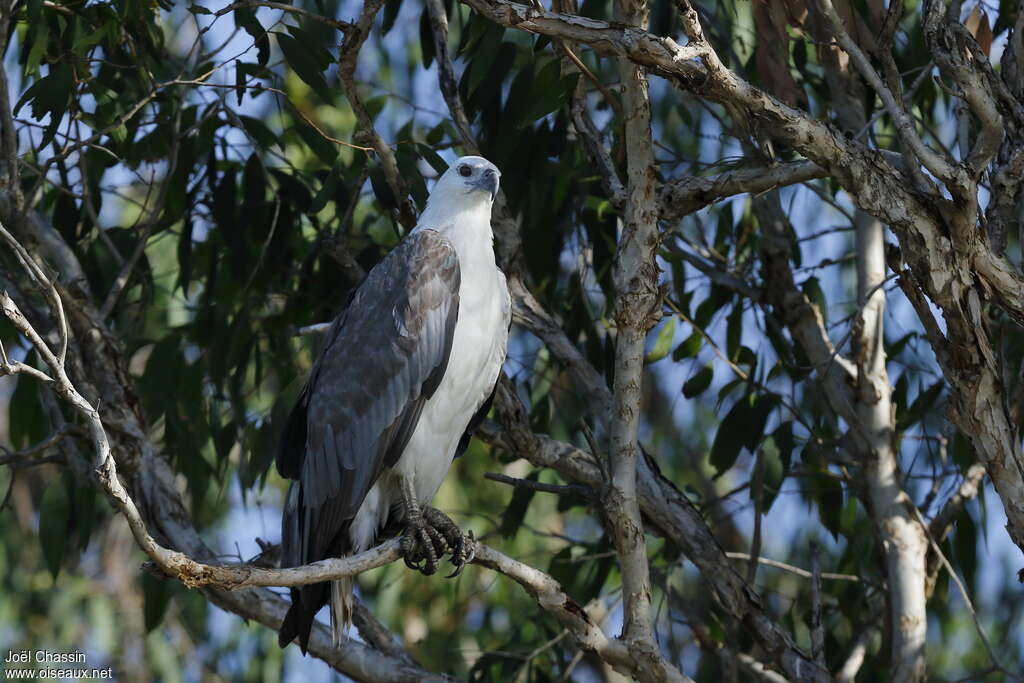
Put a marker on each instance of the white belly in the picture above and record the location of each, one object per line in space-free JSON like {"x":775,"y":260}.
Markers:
{"x":473,"y":368}
{"x":472,"y":371}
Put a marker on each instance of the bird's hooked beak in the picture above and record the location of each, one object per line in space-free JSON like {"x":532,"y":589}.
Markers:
{"x":488,"y":182}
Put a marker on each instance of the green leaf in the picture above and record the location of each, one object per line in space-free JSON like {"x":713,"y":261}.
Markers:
{"x":82,"y":45}
{"x":185,"y":255}
{"x":260,"y":133}
{"x":754,"y":430}
{"x":896,"y":347}
{"x":325,"y":150}
{"x":965,"y":547}
{"x":40,"y":37}
{"x":198,"y":9}
{"x":163,"y":370}
{"x":582,"y":580}
{"x":85,"y":514}
{"x":54,"y":518}
{"x":435,"y":135}
{"x":548,"y":91}
{"x":663,"y":344}
{"x":26,"y":420}
{"x":322,"y":56}
{"x":381,"y":189}
{"x":246,"y":19}
{"x":427,"y":48}
{"x":962,"y":451}
{"x":432,"y":158}
{"x":391,"y":8}
{"x":830,"y":502}
{"x":921,"y":406}
{"x":304,"y":63}
{"x":239,"y":82}
{"x":484,"y":55}
{"x":734,"y":332}
{"x":49,"y":97}
{"x":743,"y":426}
{"x":731,"y":435}
{"x":689,"y":347}
{"x":156,"y":594}
{"x":329,"y":187}
{"x":515,"y":512}
{"x":812,"y":288}
{"x":375,"y":105}
{"x":774,"y":472}
{"x":407,"y":158}
{"x":698,"y":384}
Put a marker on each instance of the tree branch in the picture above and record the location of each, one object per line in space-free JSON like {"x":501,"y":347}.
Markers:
{"x":663,"y":55}
{"x":355,"y":35}
{"x":637,"y":309}
{"x":940,"y":167}
{"x":342,"y":26}
{"x":679,"y":198}
{"x":670,"y":514}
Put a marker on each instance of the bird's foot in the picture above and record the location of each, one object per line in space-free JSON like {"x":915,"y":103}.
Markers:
{"x":462,"y":546}
{"x":431,"y":534}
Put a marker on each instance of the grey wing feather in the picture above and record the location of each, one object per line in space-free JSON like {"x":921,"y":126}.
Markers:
{"x":384,"y":356}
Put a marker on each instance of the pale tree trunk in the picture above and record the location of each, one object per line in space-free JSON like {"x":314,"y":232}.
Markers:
{"x":901,"y":538}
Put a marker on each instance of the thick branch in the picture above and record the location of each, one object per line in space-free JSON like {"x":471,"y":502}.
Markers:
{"x":636,"y":311}
{"x":681,"y":197}
{"x":663,"y":55}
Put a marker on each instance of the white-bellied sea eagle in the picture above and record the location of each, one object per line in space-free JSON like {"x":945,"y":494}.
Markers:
{"x":405,"y":373}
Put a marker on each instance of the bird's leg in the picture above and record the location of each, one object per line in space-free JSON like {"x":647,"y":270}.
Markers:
{"x":462,"y":546}
{"x":420,"y":542}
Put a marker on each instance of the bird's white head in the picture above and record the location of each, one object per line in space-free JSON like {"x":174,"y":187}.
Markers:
{"x":468,"y":181}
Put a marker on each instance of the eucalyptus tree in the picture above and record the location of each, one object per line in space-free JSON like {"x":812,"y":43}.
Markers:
{"x":760,"y":414}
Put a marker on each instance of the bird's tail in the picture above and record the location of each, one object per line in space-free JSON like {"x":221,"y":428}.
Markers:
{"x":342,"y":605}
{"x":298,"y":621}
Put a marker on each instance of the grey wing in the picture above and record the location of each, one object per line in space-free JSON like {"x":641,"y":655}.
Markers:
{"x":384,"y":357}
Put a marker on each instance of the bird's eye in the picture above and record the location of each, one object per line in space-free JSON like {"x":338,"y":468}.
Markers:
{"x":465,"y":171}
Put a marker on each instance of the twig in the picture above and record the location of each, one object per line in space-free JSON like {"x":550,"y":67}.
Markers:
{"x":684,"y":196}
{"x":17,"y":458}
{"x":937,"y":165}
{"x":756,"y":495}
{"x":36,"y":272}
{"x":559,"y":489}
{"x":315,"y":328}
{"x":637,"y":307}
{"x":342,"y":26}
{"x":446,"y":74}
{"x":855,"y":659}
{"x":817,"y":627}
{"x":125,"y":273}
{"x":793,"y":569}
{"x":960,"y":587}
{"x":9,"y":367}
{"x":354,"y":39}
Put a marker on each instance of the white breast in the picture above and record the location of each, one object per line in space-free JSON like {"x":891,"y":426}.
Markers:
{"x":478,"y":353}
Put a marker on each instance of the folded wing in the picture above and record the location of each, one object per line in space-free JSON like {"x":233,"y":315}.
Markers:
{"x":383,"y":358}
